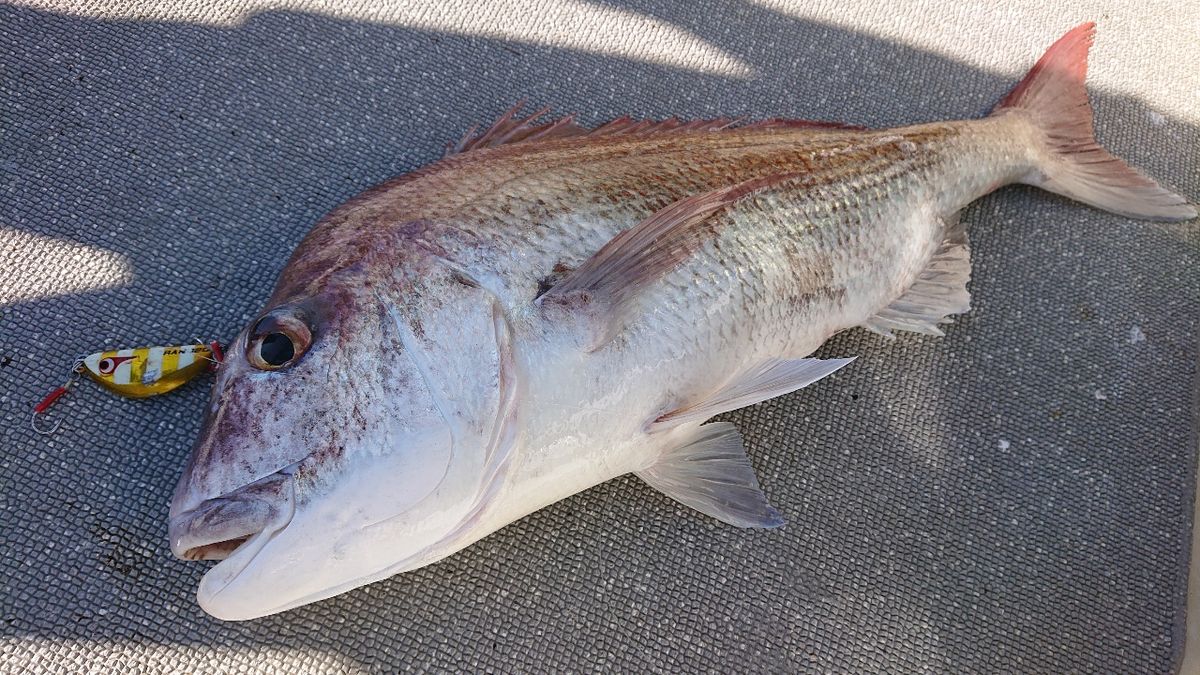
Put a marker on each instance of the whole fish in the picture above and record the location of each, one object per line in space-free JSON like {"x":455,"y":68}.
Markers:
{"x":550,"y":307}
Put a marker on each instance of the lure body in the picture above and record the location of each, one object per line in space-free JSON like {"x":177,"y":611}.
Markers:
{"x":147,"y":371}
{"x":135,"y":373}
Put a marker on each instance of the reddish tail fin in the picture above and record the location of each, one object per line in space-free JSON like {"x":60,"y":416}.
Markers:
{"x":1054,"y":98}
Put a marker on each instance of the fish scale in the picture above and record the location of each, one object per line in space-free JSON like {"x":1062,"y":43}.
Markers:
{"x":854,"y":248}
{"x":551,"y":306}
{"x":543,"y":238}
{"x":846,"y":196}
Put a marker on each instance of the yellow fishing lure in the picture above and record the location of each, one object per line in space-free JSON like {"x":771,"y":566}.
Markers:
{"x":137,"y":373}
{"x":146,"y":371}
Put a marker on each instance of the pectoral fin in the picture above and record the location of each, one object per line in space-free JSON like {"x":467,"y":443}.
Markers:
{"x":773,"y":377}
{"x":611,"y":281}
{"x":711,"y":473}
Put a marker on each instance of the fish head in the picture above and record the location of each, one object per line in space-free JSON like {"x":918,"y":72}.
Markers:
{"x":352,"y":433}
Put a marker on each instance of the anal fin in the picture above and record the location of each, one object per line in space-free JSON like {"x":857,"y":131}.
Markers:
{"x":939,"y":291}
{"x":711,"y":473}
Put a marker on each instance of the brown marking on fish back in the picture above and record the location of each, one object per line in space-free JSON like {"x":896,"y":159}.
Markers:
{"x":505,"y":196}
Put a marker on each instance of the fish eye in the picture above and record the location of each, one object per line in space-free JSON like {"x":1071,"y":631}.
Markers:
{"x":276,"y":349}
{"x":277,"y":341}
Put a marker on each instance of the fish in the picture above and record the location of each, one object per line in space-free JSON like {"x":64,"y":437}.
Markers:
{"x":550,"y":306}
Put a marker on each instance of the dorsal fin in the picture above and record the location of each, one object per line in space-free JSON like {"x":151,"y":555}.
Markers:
{"x":771,"y":378}
{"x":614,"y":276}
{"x":939,"y":291}
{"x":511,"y":129}
{"x":627,"y":126}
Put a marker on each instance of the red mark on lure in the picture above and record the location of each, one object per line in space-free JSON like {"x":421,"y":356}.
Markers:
{"x":109,"y":364}
{"x":45,"y":404}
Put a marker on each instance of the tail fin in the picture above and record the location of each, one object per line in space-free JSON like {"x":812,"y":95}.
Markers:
{"x":1054,"y":98}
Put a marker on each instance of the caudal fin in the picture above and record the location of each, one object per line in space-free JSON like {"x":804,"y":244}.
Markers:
{"x":1054,"y":98}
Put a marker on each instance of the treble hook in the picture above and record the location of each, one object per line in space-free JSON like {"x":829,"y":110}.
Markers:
{"x":218,"y":355}
{"x":53,"y":396}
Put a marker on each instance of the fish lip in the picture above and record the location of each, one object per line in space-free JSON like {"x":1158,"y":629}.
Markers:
{"x":219,"y":527}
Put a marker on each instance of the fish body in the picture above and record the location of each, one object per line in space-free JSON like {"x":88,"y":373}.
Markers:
{"x":551,"y":307}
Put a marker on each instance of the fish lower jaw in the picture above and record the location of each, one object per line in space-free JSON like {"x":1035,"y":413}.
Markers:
{"x":232,"y":609}
{"x":210,"y":596}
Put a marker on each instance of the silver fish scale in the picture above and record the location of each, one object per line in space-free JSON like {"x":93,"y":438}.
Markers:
{"x":795,"y":264}
{"x":790,"y":265}
{"x":783,"y":269}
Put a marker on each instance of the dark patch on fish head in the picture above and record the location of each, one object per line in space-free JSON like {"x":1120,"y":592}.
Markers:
{"x":379,"y":436}
{"x":306,"y":382}
{"x":272,"y":384}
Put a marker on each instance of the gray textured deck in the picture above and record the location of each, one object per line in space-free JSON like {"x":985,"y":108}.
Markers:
{"x":1015,"y":496}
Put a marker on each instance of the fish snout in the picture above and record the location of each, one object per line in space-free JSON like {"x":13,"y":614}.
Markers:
{"x":216,"y":527}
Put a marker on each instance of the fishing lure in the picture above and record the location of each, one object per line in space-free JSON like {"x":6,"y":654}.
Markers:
{"x":136,"y":373}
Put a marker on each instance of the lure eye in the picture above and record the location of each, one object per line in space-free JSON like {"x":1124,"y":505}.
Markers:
{"x":108,"y":365}
{"x":278,"y":340}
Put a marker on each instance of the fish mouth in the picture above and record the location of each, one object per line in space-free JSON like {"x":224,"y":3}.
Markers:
{"x":217,"y":528}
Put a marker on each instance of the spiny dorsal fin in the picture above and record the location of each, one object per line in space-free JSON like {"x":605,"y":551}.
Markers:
{"x":615,"y":275}
{"x":771,"y":378}
{"x":711,"y":473}
{"x":627,"y":126}
{"x":939,"y":291}
{"x":511,"y":129}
